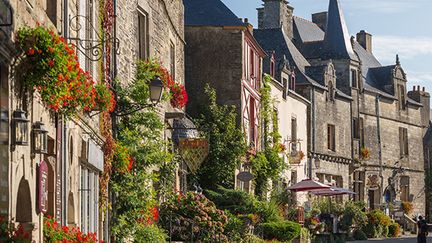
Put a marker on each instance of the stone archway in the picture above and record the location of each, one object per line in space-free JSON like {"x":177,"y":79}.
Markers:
{"x":71,"y":210}
{"x":24,"y":203}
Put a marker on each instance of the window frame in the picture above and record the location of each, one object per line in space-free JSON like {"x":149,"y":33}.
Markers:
{"x":143,"y":35}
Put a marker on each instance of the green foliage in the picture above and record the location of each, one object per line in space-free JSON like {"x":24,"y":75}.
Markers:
{"x":141,"y":135}
{"x":394,"y":230}
{"x":353,"y":215}
{"x":236,"y":228}
{"x":326,"y":206}
{"x":193,"y":215}
{"x":267,"y":164}
{"x":282,"y":230}
{"x":150,"y":233}
{"x":227,"y":145}
{"x":377,"y":225}
{"x":358,"y":234}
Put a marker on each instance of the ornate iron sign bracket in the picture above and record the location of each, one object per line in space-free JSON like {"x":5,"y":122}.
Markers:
{"x":6,"y":14}
{"x":93,"y":49}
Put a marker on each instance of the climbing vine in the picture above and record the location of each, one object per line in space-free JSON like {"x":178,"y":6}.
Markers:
{"x":267,"y":164}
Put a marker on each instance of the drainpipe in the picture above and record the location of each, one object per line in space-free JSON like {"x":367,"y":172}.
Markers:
{"x":378,"y":114}
{"x":64,"y":129}
{"x":312,"y":133}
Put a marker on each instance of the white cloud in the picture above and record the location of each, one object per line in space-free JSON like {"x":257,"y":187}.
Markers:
{"x":384,"y":6}
{"x":386,"y":47}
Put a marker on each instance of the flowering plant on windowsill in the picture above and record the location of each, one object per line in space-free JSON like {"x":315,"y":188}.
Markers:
{"x":177,"y":91}
{"x":50,"y":66}
{"x":365,"y":153}
{"x":54,"y":232}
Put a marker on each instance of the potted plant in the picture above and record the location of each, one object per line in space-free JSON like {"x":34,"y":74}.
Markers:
{"x":365,"y":153}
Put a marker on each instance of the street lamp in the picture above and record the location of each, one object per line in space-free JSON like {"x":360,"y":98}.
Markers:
{"x":20,"y":128}
{"x":156,"y":90}
{"x":40,"y":138}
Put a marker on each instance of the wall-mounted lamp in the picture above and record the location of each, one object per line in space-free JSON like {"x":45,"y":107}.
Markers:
{"x":40,"y":138}
{"x":156,"y":90}
{"x":20,"y":128}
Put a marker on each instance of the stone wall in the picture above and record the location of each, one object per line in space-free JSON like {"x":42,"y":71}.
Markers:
{"x":166,"y":26}
{"x":214,"y":56}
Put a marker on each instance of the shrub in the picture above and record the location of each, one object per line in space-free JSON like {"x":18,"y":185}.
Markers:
{"x":353,"y":215}
{"x":193,"y":214}
{"x":282,"y":230}
{"x":150,"y":233}
{"x":10,"y":234}
{"x":359,"y":235}
{"x":394,"y":230}
{"x":235,"y":229}
{"x":237,"y":202}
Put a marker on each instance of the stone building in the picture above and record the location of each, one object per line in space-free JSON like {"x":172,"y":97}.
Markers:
{"x":154,"y":29}
{"x":222,"y":52}
{"x":74,"y":157}
{"x":344,"y":82}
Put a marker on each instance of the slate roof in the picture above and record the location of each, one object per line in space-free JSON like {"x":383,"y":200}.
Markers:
{"x":337,"y":42}
{"x":276,"y":40}
{"x":307,"y":31}
{"x":209,"y":13}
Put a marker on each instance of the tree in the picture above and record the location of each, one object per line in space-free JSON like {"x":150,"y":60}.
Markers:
{"x":227,"y":143}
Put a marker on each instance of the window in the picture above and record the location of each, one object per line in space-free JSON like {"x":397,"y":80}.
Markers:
{"x":252,"y":122}
{"x":285,"y":87}
{"x":359,"y":185}
{"x":51,"y":10}
{"x":252,"y":62}
{"x":143,"y":34}
{"x":272,"y":67}
{"x":401,"y":97}
{"x":405,"y":189}
{"x":294,"y":134}
{"x":172,"y":60}
{"x":331,"y":137}
{"x":331,"y":91}
{"x":292,"y":82}
{"x":356,"y":128}
{"x":403,"y":141}
{"x":354,"y":80}
{"x":362,"y":137}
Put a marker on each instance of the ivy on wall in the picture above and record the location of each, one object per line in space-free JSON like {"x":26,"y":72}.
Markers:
{"x":267,"y":164}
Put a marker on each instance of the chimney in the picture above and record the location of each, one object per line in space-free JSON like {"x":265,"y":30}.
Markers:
{"x":365,"y":40}
{"x":276,"y":14}
{"x":320,"y":19}
{"x":249,"y":25}
{"x":420,"y":95}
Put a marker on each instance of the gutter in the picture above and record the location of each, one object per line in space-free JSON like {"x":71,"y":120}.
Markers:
{"x":377,"y":110}
{"x":312,"y":133}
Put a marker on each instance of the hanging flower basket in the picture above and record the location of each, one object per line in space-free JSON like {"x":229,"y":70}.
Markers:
{"x":50,"y":66}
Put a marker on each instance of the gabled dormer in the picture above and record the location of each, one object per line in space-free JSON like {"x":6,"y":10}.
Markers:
{"x":326,"y":76}
{"x":399,"y":85}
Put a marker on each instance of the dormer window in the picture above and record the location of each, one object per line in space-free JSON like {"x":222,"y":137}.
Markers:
{"x":354,"y":79}
{"x":331,"y":91}
{"x":401,"y":97}
{"x":292,"y":82}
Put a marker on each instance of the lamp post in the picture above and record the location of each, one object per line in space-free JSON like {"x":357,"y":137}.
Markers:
{"x":40,"y":138}
{"x":20,"y":128}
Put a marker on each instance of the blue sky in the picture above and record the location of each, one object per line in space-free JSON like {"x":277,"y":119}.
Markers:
{"x":401,"y":27}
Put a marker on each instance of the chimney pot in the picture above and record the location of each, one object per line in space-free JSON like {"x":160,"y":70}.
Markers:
{"x":414,"y":88}
{"x":424,"y":89}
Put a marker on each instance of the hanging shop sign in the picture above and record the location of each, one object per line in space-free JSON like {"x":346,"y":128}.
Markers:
{"x":43,"y":187}
{"x":245,"y":176}
{"x":194,"y":151}
{"x":373,"y":182}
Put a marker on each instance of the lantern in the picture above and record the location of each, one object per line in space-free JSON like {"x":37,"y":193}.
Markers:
{"x":156,"y":90}
{"x":20,"y":128}
{"x":40,"y":138}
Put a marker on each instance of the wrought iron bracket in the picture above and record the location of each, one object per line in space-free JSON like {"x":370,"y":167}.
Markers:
{"x":92,"y":49}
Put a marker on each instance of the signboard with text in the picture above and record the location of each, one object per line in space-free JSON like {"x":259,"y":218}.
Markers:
{"x":43,"y":187}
